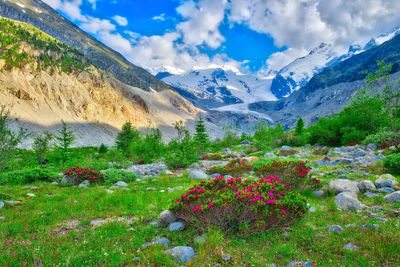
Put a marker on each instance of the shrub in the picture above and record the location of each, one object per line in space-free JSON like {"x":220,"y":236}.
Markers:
{"x":149,"y":148}
{"x":257,"y":153}
{"x":236,"y":204}
{"x":41,"y":145}
{"x":321,"y":151}
{"x":103,"y":149}
{"x":215,"y":156}
{"x":392,"y":162}
{"x":111,"y":176}
{"x":127,"y":135}
{"x":287,"y":152}
{"x":26,"y":176}
{"x":236,"y":169}
{"x":295,"y":173}
{"x":260,"y":162}
{"x":79,"y":174}
{"x":383,"y":137}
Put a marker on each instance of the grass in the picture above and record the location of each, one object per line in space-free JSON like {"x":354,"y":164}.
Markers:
{"x":32,"y":231}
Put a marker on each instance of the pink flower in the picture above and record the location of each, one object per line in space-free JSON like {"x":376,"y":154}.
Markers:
{"x":283,"y":212}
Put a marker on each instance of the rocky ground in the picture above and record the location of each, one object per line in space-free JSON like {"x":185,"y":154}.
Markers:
{"x":352,"y":221}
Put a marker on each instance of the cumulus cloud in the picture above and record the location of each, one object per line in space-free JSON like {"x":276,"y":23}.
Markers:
{"x":120,"y":20}
{"x":160,"y":17}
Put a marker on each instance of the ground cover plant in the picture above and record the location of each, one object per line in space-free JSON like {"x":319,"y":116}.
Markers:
{"x":78,"y":174}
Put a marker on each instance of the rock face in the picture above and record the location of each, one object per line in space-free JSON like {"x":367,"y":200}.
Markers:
{"x":348,"y":201}
{"x":343,"y":185}
{"x":181,"y":254}
{"x":198,"y":174}
{"x":393,"y":197}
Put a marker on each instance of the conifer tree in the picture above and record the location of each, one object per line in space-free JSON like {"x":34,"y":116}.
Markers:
{"x":64,"y":140}
{"x":124,"y":138}
{"x":201,"y":136}
{"x":299,"y":126}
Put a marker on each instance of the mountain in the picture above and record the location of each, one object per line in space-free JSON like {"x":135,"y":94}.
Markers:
{"x":44,"y":81}
{"x":213,"y":88}
{"x":42,"y":16}
{"x":332,"y":88}
{"x":298,"y":73}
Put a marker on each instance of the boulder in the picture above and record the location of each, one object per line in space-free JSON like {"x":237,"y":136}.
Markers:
{"x":227,"y":151}
{"x":370,"y":194}
{"x":350,"y":246}
{"x":343,"y":185}
{"x":381,"y":183}
{"x":198,"y":174}
{"x":269,"y":155}
{"x":286,"y":148}
{"x":386,"y":190}
{"x":245,"y":142}
{"x":161,"y":241}
{"x":167,"y":217}
{"x":318,"y":193}
{"x":335,"y":228}
{"x":372,"y":146}
{"x":393,"y":197}
{"x":176,"y":226}
{"x":366,"y":185}
{"x":348,"y":201}
{"x":85,"y":183}
{"x":181,"y":254}
{"x":120,"y":184}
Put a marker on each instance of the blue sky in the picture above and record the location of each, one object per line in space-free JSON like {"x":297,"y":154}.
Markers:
{"x":258,"y":36}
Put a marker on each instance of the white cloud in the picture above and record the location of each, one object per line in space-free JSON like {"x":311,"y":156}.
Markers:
{"x":120,"y":20}
{"x":95,"y":25}
{"x":160,"y":17}
{"x":93,"y":2}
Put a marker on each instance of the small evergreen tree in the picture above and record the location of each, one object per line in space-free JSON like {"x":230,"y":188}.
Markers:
{"x":64,"y":140}
{"x":124,"y":138}
{"x":299,"y":127}
{"x":201,"y":136}
{"x":41,"y":145}
{"x":103,"y":149}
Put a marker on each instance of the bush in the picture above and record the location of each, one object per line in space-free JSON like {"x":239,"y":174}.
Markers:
{"x":295,"y":173}
{"x":321,"y":151}
{"x":236,"y":204}
{"x":392,"y":163}
{"x":26,"y":176}
{"x":149,"y":148}
{"x":103,"y":149}
{"x":111,"y":176}
{"x":215,"y":156}
{"x":383,"y":137}
{"x":287,"y":152}
{"x":79,"y":174}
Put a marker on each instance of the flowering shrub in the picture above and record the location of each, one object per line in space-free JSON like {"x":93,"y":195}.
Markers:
{"x":321,"y":151}
{"x":352,"y":143}
{"x":79,"y":174}
{"x":236,"y":169}
{"x":295,"y":173}
{"x":385,"y":145}
{"x":233,"y":204}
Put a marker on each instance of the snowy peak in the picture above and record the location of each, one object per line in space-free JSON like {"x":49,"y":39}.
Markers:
{"x":381,"y":39}
{"x":211,"y":88}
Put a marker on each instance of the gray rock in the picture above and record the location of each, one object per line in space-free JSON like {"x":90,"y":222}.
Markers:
{"x":366,"y":185}
{"x":245,"y":142}
{"x":343,"y":185}
{"x":318,"y":193}
{"x":181,"y":254}
{"x":167,"y":217}
{"x":372,"y":146}
{"x":227,"y":151}
{"x":335,"y":228}
{"x":155,"y":223}
{"x":393,"y":197}
{"x":199,"y":240}
{"x":370,"y":194}
{"x":1,"y":205}
{"x":369,"y":226}
{"x":85,"y":183}
{"x":11,"y":202}
{"x":120,"y":184}
{"x":312,"y":209}
{"x":227,"y":257}
{"x":161,"y":241}
{"x":286,"y":148}
{"x":380,"y":183}
{"x":2,"y":218}
{"x":380,"y":219}
{"x":108,"y":191}
{"x":269,"y":155}
{"x":176,"y":226}
{"x":30,"y":187}
{"x":168,"y":172}
{"x":228,"y":176}
{"x":348,"y":201}
{"x":198,"y":174}
{"x":350,"y":246}
{"x":215,"y":175}
{"x":54,"y":183}
{"x":386,"y":190}
{"x":31,"y":195}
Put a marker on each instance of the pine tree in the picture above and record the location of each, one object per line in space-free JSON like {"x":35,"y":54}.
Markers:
{"x":64,"y":140}
{"x":41,"y":145}
{"x":201,"y":136}
{"x":124,"y":138}
{"x":299,"y":127}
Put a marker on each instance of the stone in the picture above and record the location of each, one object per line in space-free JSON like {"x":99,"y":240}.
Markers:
{"x":2,"y":218}
{"x":121,"y":184}
{"x":335,"y":228}
{"x":343,"y":185}
{"x":30,"y":187}
{"x":198,"y":174}
{"x":228,"y":176}
{"x":386,"y":190}
{"x":318,"y":193}
{"x":155,"y":223}
{"x":312,"y":209}
{"x":31,"y":195}
{"x":167,"y":217}
{"x":388,"y":177}
{"x":269,"y":155}
{"x":1,"y":205}
{"x":227,"y":257}
{"x":227,"y":151}
{"x":369,"y":226}
{"x":287,"y":148}
{"x":11,"y":202}
{"x":161,"y":241}
{"x":343,"y":160}
{"x":350,"y":246}
{"x":393,"y":197}
{"x":215,"y":175}
{"x":85,"y":183}
{"x":245,"y":142}
{"x":108,"y":191}
{"x":366,"y":185}
{"x":372,"y":146}
{"x":168,"y":172}
{"x":348,"y":201}
{"x":199,"y":240}
{"x":370,"y":194}
{"x":380,"y":183}
{"x":380,"y":219}
{"x":181,"y":254}
{"x":176,"y":226}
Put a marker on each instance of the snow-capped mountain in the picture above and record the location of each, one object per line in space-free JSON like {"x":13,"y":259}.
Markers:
{"x":297,"y":74}
{"x":212,"y":88}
